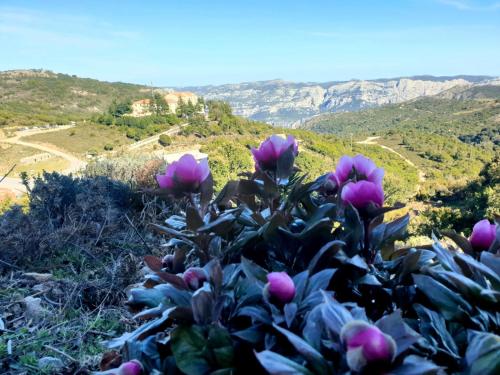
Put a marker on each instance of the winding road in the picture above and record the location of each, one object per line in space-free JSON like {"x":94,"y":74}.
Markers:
{"x":372,"y":141}
{"x":15,"y":184}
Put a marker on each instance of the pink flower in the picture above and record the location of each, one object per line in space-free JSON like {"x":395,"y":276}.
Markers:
{"x":194,"y":277}
{"x":483,"y":235}
{"x":280,"y":286}
{"x":357,"y":168}
{"x":366,"y":344}
{"x":130,"y":368}
{"x":186,"y":174}
{"x":267,"y":155}
{"x":360,"y":194}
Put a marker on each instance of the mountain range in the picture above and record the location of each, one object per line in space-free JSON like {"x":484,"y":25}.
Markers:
{"x":287,"y":103}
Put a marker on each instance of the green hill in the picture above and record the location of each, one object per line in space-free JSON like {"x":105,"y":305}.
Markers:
{"x":34,"y":97}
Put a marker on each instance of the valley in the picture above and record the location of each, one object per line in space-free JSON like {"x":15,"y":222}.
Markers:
{"x":411,"y":139}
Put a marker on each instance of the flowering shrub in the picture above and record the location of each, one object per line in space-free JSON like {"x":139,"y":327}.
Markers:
{"x":280,"y":276}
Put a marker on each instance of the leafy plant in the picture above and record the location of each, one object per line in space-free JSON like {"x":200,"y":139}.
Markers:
{"x":281,"y":275}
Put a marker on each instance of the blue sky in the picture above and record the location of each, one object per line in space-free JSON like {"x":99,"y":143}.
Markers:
{"x":186,"y":42}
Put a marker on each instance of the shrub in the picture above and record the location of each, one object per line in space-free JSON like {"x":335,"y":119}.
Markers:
{"x":108,"y":147}
{"x":279,"y":275}
{"x":165,"y":140}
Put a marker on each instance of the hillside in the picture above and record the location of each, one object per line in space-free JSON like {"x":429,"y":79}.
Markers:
{"x":462,"y":113}
{"x":453,"y":139}
{"x":289,"y":103}
{"x":34,"y":97}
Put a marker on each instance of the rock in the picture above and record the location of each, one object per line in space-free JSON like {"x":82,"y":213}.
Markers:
{"x":50,"y":363}
{"x":38,"y":277}
{"x":288,"y":103}
{"x":34,"y":310}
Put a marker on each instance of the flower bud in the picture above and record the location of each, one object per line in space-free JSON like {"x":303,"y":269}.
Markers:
{"x":280,"y":287}
{"x":194,"y":277}
{"x":358,"y":168}
{"x":168,"y":261}
{"x":483,"y":235}
{"x":360,"y":194}
{"x":267,"y":155}
{"x":185,"y":175}
{"x":133,"y":367}
{"x":366,"y":344}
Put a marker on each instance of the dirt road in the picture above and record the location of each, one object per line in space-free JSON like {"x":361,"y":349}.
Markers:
{"x":372,"y":141}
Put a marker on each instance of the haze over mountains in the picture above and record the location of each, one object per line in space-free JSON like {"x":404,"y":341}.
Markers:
{"x":288,"y":103}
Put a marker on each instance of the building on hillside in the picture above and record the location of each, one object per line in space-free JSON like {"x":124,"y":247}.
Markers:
{"x":142,"y":107}
{"x":173,"y":99}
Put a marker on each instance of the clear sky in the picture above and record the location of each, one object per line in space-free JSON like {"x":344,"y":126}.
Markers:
{"x":187,"y":42}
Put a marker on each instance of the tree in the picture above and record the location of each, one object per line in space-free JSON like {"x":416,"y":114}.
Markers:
{"x":119,"y":109}
{"x":158,"y":105}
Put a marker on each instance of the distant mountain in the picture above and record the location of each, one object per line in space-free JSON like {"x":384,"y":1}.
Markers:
{"x":470,"y":113}
{"x":288,"y":103}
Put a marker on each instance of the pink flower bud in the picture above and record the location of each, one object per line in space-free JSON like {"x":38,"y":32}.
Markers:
{"x":267,"y":155}
{"x":360,"y":194}
{"x":185,"y":175}
{"x":280,"y":286}
{"x":483,"y":235}
{"x":366,"y":344}
{"x":130,"y":368}
{"x":194,"y":277}
{"x":358,"y":168}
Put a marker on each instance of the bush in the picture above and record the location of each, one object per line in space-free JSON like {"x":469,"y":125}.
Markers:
{"x":280,"y":275}
{"x":165,"y":140}
{"x":108,"y":147}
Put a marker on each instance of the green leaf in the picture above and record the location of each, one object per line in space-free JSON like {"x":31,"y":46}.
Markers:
{"x":220,"y":226}
{"x":327,"y":251}
{"x":253,"y":271}
{"x":462,"y":242}
{"x":415,"y":365}
{"x":202,"y":304}
{"x":335,"y":316}
{"x":492,"y":261}
{"x":188,"y":346}
{"x":482,"y":353}
{"x":451,"y":305}
{"x":403,"y":334}
{"x":467,"y":261}
{"x":316,"y":360}
{"x":433,"y":327}
{"x":276,"y":364}
{"x":193,"y":218}
{"x":221,"y":344}
{"x":320,"y":280}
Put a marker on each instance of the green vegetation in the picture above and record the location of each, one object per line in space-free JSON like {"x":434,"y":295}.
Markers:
{"x":453,"y":141}
{"x":42,"y":97}
{"x":446,"y":117}
{"x":85,"y":138}
{"x":165,"y":140}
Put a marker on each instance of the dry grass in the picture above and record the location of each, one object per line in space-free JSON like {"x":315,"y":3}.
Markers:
{"x":83,"y":138}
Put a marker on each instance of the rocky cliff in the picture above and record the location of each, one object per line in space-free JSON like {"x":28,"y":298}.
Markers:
{"x":288,"y":103}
